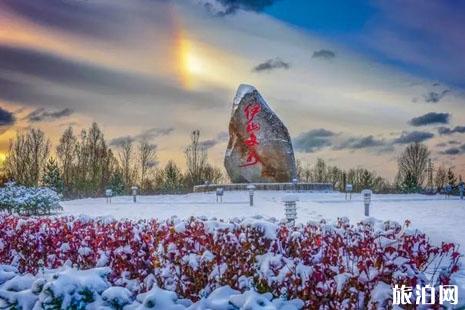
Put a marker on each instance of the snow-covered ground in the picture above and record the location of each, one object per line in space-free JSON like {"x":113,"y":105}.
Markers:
{"x":442,"y":219}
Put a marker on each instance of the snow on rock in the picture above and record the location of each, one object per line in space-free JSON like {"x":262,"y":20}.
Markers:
{"x":243,"y":90}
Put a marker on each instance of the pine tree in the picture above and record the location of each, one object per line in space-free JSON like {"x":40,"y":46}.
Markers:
{"x":409,"y":183}
{"x":116,"y":183}
{"x":451,"y":179}
{"x":52,"y":176}
{"x":170,"y":179}
{"x":366,"y":179}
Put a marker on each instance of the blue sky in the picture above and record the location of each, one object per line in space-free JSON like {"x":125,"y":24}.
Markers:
{"x":328,"y":18}
{"x":432,"y":29}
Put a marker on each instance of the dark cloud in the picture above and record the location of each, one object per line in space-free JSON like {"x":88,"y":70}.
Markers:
{"x":434,"y":97}
{"x":146,"y":135}
{"x":208,"y":144}
{"x":449,"y":131}
{"x":23,"y":92}
{"x":83,"y":17}
{"x":221,"y":137}
{"x":271,"y":64}
{"x":7,"y":119}
{"x":453,"y":142}
{"x":430,"y":118}
{"x":121,"y":141}
{"x":413,"y":136}
{"x":24,"y":72}
{"x":451,"y":151}
{"x":101,"y":20}
{"x":68,"y":72}
{"x":324,"y":54}
{"x":153,"y":133}
{"x":232,"y":6}
{"x":41,"y":114}
{"x":454,"y":150}
{"x":359,"y":143}
{"x":313,"y":140}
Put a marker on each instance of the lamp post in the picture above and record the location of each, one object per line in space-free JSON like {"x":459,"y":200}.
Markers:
{"x":219,"y":194}
{"x":134,"y":193}
{"x":366,"y":195}
{"x":108,"y":194}
{"x":290,"y":208}
{"x":461,"y":189}
{"x":349,"y":190}
{"x":251,"y":189}
{"x":448,"y":190}
{"x":294,"y":184}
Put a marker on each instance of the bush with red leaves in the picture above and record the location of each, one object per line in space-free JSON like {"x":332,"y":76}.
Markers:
{"x":333,"y":265}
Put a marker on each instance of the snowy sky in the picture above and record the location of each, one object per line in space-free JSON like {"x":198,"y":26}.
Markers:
{"x":353,"y":83}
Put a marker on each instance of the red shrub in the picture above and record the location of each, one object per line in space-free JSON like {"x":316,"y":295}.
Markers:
{"x":319,"y":263}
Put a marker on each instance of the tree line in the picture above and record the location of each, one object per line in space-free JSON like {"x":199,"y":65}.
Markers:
{"x":415,"y":174}
{"x":84,"y":165}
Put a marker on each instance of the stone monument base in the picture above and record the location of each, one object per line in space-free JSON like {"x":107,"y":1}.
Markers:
{"x":310,"y":187}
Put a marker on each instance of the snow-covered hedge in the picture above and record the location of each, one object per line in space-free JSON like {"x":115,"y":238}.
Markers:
{"x":329,"y":265}
{"x":69,"y":288}
{"x":28,"y":200}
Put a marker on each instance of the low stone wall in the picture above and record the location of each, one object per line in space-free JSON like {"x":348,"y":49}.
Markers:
{"x":317,"y":187}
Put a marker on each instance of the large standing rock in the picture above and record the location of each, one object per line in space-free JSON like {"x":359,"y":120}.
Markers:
{"x":259,"y":148}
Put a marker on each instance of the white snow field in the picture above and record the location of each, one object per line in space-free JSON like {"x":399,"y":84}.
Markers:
{"x":441,"y":219}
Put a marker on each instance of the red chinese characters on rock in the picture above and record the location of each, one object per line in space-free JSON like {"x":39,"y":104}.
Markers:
{"x":250,"y":111}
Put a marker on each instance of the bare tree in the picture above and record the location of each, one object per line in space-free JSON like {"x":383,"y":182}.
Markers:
{"x":440,"y":179}
{"x":212,"y":174}
{"x":27,"y":155}
{"x":93,"y":160}
{"x":147,"y":159}
{"x":412,"y":164}
{"x":319,"y":171}
{"x":196,"y":159}
{"x":66,"y":153}
{"x":125,"y":155}
{"x":307,"y":173}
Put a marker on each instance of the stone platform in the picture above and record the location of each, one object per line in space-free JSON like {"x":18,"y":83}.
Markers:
{"x":310,"y":187}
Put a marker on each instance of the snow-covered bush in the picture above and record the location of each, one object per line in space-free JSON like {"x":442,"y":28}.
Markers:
{"x":69,"y":288}
{"x":321,"y":264}
{"x":28,"y":200}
